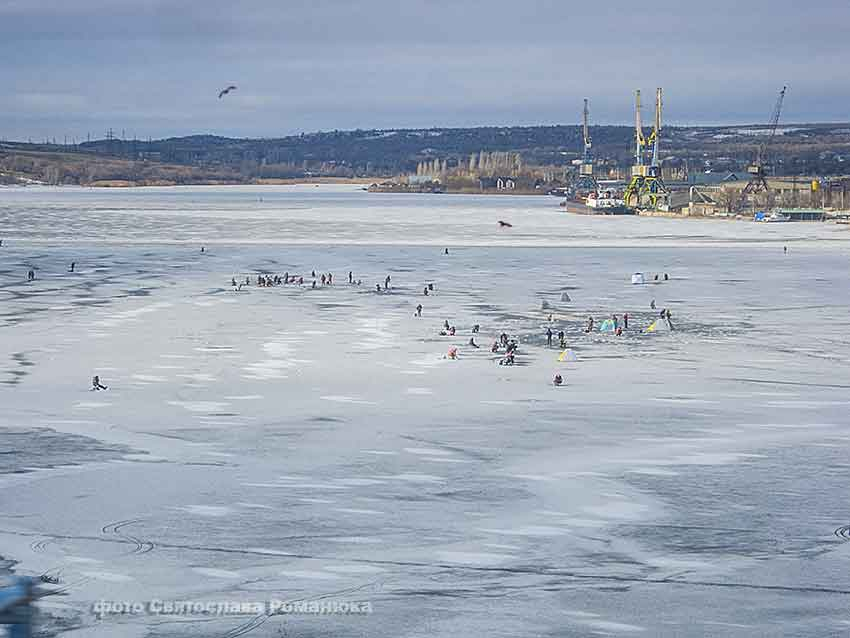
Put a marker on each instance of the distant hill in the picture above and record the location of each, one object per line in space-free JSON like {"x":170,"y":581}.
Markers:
{"x":797,"y":149}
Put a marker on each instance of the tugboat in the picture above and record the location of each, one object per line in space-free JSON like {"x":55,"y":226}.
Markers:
{"x":607,"y":201}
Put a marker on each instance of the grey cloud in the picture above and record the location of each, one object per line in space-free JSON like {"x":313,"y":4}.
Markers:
{"x":155,"y":66}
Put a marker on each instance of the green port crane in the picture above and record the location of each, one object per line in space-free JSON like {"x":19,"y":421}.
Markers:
{"x":586,"y":181}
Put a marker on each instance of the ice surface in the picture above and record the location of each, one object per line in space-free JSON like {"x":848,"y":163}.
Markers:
{"x":291,"y":443}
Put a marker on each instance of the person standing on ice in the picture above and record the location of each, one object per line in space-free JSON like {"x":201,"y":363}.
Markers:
{"x":387,"y":283}
{"x":350,"y":277}
{"x":323,"y":279}
{"x":616,"y":321}
{"x":549,"y":337}
{"x":589,"y":327}
{"x":652,"y":304}
{"x":626,"y":320}
{"x":330,"y":279}
{"x":562,"y":340}
{"x":419,"y":310}
{"x":96,"y":384}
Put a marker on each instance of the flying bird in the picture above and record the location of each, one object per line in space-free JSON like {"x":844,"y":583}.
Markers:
{"x":224,"y":92}
{"x":505,"y":224}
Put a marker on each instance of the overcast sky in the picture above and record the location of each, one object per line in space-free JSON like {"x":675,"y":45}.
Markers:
{"x":154,"y":67}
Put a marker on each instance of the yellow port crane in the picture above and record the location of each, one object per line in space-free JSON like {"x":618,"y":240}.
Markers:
{"x":646,"y":189}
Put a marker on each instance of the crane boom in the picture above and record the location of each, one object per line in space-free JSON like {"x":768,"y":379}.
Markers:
{"x":758,"y":179}
{"x":656,"y":131}
{"x":639,"y":139}
{"x":772,"y":125}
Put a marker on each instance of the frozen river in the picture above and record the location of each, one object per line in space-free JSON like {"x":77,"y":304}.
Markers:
{"x":288,"y":443}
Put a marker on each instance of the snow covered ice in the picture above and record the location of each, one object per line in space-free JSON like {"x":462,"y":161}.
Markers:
{"x":287,"y":443}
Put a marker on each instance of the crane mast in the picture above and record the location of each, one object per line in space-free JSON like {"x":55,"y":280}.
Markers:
{"x":639,"y":139}
{"x":656,"y":133}
{"x":586,"y":134}
{"x":586,"y":182}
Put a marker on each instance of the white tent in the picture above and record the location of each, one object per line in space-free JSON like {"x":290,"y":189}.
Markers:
{"x":638,"y":278}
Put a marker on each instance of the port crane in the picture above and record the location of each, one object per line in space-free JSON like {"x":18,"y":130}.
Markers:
{"x":586,"y":180}
{"x":758,"y":180}
{"x":646,"y":188}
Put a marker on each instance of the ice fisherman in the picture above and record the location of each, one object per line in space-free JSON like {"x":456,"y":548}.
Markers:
{"x":549,"y":337}
{"x":96,"y":384}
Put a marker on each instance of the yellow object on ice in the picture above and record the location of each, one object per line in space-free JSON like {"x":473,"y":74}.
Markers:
{"x":652,"y":326}
{"x":567,"y":355}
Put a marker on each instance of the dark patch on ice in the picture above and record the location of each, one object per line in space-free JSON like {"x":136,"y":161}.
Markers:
{"x":490,"y":494}
{"x":326,"y":419}
{"x":22,"y":450}
{"x":139,"y":292}
{"x":332,"y":306}
{"x":20,"y":371}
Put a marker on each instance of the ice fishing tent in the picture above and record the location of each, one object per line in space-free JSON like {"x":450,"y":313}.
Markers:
{"x":565,"y":297}
{"x":607,"y":326}
{"x":638,"y":278}
{"x":567,"y":355}
{"x":659,"y":325}
{"x":544,"y":305}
